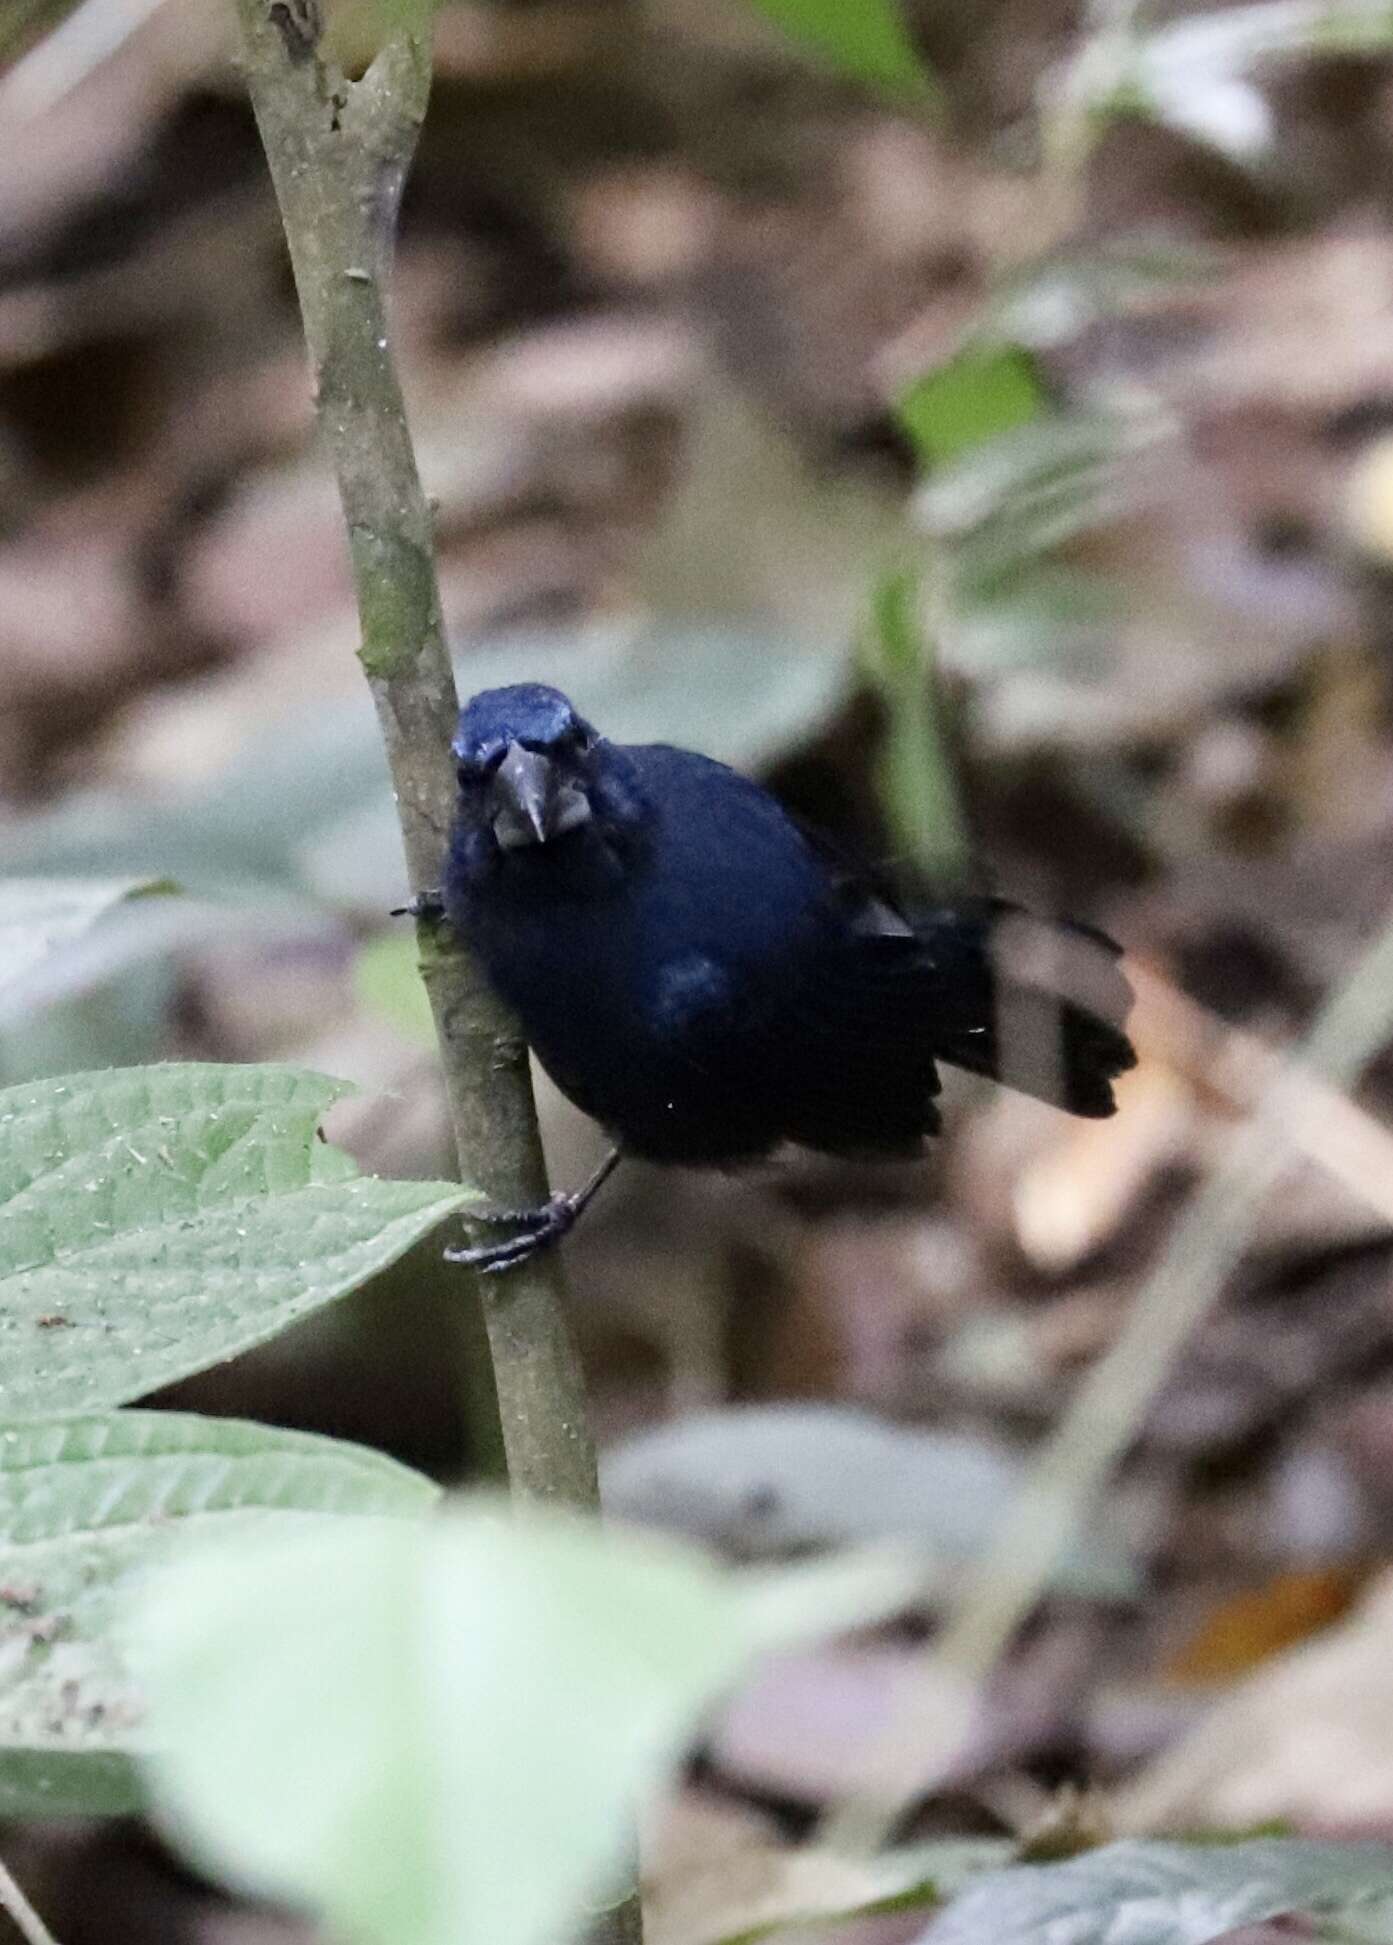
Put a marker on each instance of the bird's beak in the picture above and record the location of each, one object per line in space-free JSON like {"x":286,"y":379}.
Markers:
{"x":533,"y":801}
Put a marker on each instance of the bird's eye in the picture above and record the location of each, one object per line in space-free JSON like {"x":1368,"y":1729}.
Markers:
{"x":476,"y":769}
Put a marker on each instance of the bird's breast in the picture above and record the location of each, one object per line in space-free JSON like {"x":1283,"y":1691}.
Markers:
{"x":652,"y":1028}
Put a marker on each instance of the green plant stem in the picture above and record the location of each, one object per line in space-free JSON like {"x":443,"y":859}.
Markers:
{"x":339,"y":152}
{"x":26,"y":1919}
{"x":917,"y":776}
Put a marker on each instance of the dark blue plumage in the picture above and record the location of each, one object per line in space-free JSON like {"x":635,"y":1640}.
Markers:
{"x":708,"y":980}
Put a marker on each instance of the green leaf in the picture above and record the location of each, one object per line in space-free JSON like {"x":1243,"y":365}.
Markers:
{"x":1053,"y":299}
{"x":156,"y":1220}
{"x":435,"y":1732}
{"x":1164,"y":1894}
{"x":1003,"y":504}
{"x":866,"y":39}
{"x":85,"y":1504}
{"x":982,"y":392}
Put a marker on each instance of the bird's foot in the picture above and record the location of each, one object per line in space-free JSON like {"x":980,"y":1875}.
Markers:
{"x":533,"y":1231}
{"x":425,"y":905}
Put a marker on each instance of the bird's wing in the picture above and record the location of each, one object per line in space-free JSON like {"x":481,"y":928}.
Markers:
{"x":864,"y":894}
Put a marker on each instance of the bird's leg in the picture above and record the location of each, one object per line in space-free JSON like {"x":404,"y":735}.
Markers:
{"x":536,"y":1229}
{"x":425,"y":905}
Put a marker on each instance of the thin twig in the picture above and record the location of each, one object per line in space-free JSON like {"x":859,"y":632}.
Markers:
{"x":1111,"y":1404}
{"x":26,"y":1919}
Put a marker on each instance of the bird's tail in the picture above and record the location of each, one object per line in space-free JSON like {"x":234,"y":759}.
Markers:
{"x":1038,"y":1004}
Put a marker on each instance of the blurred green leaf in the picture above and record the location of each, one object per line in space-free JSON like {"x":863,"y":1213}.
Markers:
{"x":434,"y":1732}
{"x":982,"y":392}
{"x":159,"y":1219}
{"x":1054,"y":298}
{"x":118,"y":1024}
{"x":1047,"y":615}
{"x":1003,"y":504}
{"x":1164,"y":1893}
{"x":866,"y":39}
{"x":240,"y":831}
{"x":86,"y":1504}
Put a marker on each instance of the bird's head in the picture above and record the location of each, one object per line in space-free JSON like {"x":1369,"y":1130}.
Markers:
{"x":531,"y":770}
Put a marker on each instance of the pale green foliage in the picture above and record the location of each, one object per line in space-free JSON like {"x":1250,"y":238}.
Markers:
{"x":985,"y":390}
{"x":159,"y":1219}
{"x":85,"y":1505}
{"x":431,"y":1733}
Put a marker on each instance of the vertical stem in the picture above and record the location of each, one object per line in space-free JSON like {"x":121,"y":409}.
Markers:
{"x":918,"y":782}
{"x":339,"y":152}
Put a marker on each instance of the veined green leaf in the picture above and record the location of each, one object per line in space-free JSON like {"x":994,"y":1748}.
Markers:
{"x":85,"y":1505}
{"x":155,"y":1220}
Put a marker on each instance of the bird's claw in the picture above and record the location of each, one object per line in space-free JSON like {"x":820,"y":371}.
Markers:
{"x":534,"y":1230}
{"x":427,"y":905}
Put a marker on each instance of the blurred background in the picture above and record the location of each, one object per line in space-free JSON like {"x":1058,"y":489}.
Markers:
{"x":986,"y":438}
